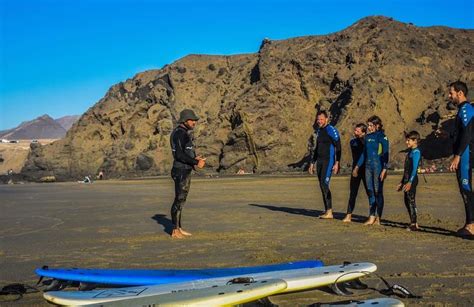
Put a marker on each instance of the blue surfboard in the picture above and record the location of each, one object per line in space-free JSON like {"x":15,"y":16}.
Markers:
{"x":141,"y":277}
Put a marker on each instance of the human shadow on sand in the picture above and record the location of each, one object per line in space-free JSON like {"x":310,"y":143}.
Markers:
{"x":361,"y":219}
{"x":165,"y":222}
{"x":425,"y":229}
{"x":309,"y":212}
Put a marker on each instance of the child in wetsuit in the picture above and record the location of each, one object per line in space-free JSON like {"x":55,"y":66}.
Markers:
{"x":410,"y":178}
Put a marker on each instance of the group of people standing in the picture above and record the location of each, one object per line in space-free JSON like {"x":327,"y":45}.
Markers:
{"x":370,"y":158}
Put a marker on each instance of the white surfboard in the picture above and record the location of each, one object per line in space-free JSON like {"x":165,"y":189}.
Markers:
{"x":231,"y":294}
{"x":298,"y":279}
{"x":382,"y":302}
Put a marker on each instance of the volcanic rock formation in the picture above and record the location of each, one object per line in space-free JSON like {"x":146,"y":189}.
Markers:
{"x":257,"y":109}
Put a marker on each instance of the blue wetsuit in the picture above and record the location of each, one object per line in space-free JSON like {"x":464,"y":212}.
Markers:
{"x":375,"y":157}
{"x":326,"y":152}
{"x":412,"y":161}
{"x":463,"y":147}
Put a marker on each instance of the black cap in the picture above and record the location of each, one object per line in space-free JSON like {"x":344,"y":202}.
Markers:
{"x":187,"y":114}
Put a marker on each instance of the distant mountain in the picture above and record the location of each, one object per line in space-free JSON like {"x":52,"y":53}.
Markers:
{"x":67,"y":121}
{"x":43,"y":127}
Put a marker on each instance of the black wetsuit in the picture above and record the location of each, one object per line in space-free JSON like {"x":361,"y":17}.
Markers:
{"x":464,"y":147}
{"x":412,"y":161}
{"x":326,"y":152}
{"x":184,"y":160}
{"x":357,"y":149}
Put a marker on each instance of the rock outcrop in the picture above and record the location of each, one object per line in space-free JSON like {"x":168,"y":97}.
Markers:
{"x":257,"y":109}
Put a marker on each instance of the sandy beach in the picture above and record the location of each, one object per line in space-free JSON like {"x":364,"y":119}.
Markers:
{"x":238,"y":221}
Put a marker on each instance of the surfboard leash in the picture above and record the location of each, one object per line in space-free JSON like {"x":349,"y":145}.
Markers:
{"x":19,"y":290}
{"x":390,"y":290}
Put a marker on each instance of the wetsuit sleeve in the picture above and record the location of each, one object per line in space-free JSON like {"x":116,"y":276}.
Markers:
{"x":362,"y":157}
{"x":336,"y":140}
{"x":338,"y":150}
{"x":465,"y":130}
{"x":179,"y":139}
{"x":416,"y":156}
{"x":385,"y":155}
{"x":314,"y":148}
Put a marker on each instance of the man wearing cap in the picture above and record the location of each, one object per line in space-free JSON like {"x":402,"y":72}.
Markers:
{"x":185,"y":160}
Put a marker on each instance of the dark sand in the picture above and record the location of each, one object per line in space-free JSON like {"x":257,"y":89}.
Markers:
{"x":237,"y":221}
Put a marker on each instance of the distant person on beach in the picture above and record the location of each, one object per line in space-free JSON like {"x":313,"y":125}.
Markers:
{"x":409,"y":180}
{"x":375,"y":156}
{"x":357,"y":148}
{"x":326,"y":156}
{"x":463,"y":151}
{"x":185,"y":160}
{"x":100,"y":176}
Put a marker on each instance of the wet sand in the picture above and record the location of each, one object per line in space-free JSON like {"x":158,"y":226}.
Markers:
{"x":237,"y":221}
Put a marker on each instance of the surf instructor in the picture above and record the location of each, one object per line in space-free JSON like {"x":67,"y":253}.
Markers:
{"x":185,"y":160}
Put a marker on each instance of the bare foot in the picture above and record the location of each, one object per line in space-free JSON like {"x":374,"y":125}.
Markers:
{"x":176,"y":234}
{"x":413,"y":227}
{"x":348,"y":218}
{"x":327,"y":215}
{"x":183,"y":232}
{"x":467,"y":230}
{"x":377,"y":221}
{"x":370,"y":220}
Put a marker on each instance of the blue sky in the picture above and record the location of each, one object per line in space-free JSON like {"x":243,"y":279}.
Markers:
{"x":59,"y":57}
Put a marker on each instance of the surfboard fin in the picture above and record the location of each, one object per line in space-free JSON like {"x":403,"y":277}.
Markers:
{"x":86,"y":286}
{"x":241,"y":280}
{"x":340,"y":289}
{"x":55,"y":284}
{"x":265,"y":302}
{"x":356,"y":284}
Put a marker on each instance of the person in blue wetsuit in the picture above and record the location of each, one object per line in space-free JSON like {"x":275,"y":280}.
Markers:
{"x":375,"y":157}
{"x":463,"y":151}
{"x":326,"y":156}
{"x":357,"y":148}
{"x":409,"y":180}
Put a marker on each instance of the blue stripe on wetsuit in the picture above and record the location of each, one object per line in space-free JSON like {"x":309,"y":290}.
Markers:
{"x":465,"y":114}
{"x":332,"y":132}
{"x":464,"y":168}
{"x":330,"y":165}
{"x":415,"y":160}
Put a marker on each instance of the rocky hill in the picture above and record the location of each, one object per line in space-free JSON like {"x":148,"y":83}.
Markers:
{"x":43,"y":127}
{"x":257,"y":109}
{"x":67,"y":121}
